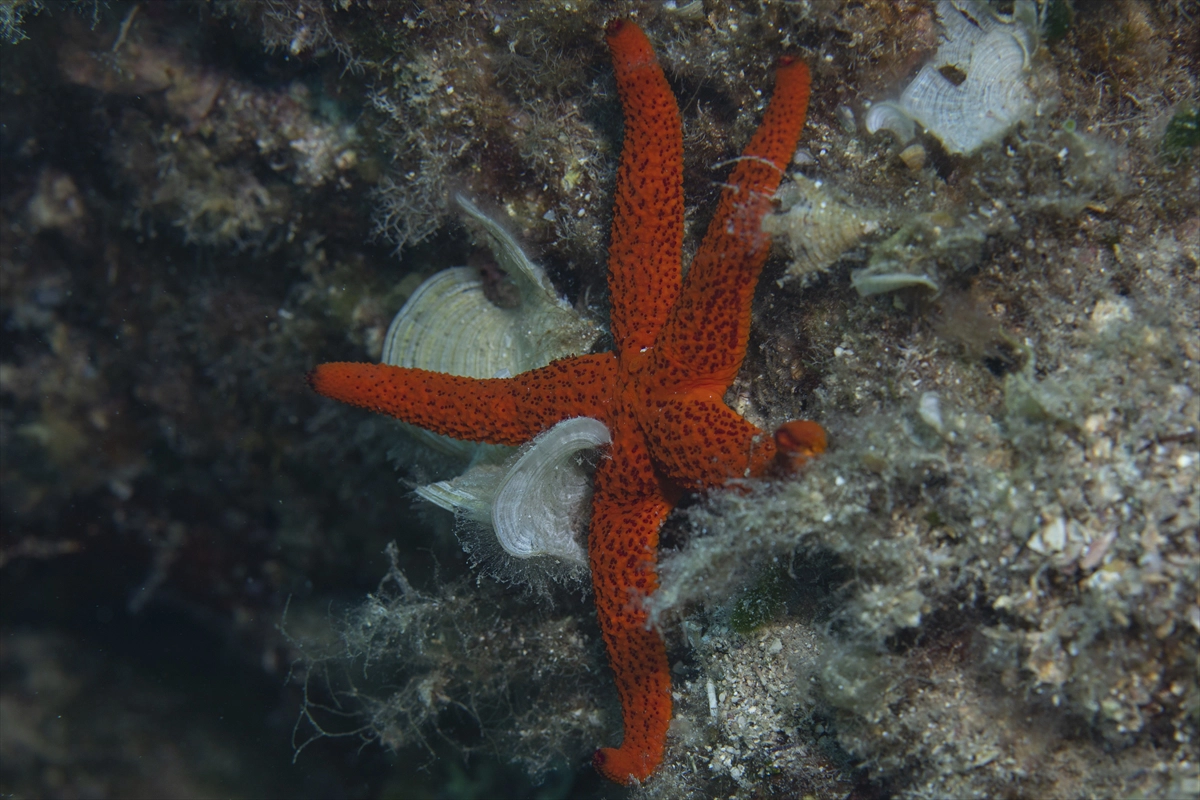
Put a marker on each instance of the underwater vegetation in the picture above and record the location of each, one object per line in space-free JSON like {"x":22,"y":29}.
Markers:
{"x":1182,"y":135}
{"x":987,"y":584}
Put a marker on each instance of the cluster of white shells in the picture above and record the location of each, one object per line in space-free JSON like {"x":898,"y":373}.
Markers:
{"x":817,"y":228}
{"x":535,"y":501}
{"x":991,"y":55}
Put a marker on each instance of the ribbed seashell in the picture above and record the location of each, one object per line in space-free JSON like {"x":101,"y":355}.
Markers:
{"x":890,"y":117}
{"x":449,"y":324}
{"x":541,"y":507}
{"x":537,"y":503}
{"x":817,"y":227}
{"x":989,"y":59}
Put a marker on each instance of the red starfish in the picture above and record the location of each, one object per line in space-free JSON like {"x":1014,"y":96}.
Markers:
{"x":678,"y":348}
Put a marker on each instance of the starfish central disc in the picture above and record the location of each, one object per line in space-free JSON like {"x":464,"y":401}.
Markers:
{"x":679,"y":345}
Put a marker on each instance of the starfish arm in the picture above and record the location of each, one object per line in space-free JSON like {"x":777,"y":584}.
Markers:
{"x":706,"y":333}
{"x":622,"y":548}
{"x":495,"y":410}
{"x":646,"y":245}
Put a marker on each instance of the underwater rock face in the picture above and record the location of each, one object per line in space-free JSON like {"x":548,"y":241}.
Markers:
{"x":159,"y":461}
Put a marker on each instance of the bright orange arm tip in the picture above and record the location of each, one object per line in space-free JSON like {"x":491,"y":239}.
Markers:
{"x":800,"y":440}
{"x":628,"y":44}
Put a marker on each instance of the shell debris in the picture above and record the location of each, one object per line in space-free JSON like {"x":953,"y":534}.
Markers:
{"x":928,"y":245}
{"x":976,"y":86}
{"x":818,"y":228}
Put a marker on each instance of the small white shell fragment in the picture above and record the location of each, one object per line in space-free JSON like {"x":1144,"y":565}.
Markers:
{"x":929,"y":409}
{"x":1054,"y":534}
{"x":1110,"y":311}
{"x":845,"y":116}
{"x":913,"y":156}
{"x":543,"y":499}
{"x":867,"y":284}
{"x":890,"y":117}
{"x":1050,"y":538}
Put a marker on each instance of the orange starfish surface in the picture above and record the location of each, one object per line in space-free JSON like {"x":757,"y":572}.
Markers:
{"x":679,"y":344}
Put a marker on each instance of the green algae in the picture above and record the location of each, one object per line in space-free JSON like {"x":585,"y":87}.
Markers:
{"x":1182,"y":134}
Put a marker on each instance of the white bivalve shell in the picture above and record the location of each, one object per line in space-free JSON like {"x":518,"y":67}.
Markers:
{"x":544,"y":498}
{"x":538,"y":504}
{"x":449,"y":325}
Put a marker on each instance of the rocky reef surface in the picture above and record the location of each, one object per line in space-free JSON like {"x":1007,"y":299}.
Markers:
{"x":987,"y":586}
